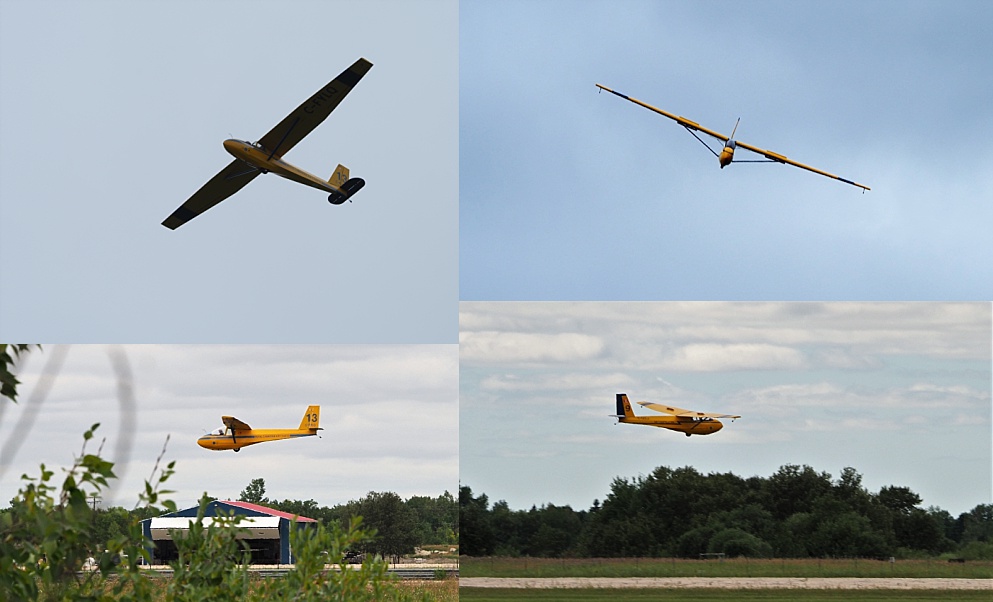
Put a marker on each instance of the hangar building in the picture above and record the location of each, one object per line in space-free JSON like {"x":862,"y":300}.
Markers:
{"x":266,"y":531}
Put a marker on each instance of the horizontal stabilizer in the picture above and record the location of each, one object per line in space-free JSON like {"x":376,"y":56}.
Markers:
{"x":346,"y":191}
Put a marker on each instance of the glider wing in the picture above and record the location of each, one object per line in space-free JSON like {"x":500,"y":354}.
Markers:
{"x":782,"y":159}
{"x":234,"y":424}
{"x":681,"y":412}
{"x":680,"y":120}
{"x":230,"y":180}
{"x":311,"y":113}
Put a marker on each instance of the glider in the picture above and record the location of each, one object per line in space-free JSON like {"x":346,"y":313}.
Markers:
{"x":684,"y":421}
{"x":726,"y":156}
{"x":236,"y":434}
{"x":264,"y":156}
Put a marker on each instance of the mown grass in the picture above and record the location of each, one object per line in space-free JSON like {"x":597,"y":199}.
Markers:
{"x":479,"y":594}
{"x":736,"y":567}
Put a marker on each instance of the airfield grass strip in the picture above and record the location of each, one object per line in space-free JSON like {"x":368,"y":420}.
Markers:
{"x":478,"y":594}
{"x":736,"y":567}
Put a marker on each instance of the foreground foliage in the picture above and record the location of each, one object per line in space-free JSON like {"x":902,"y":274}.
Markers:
{"x":49,"y":533}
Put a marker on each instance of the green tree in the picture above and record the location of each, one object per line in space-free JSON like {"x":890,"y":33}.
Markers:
{"x":49,"y":532}
{"x":736,"y":542}
{"x":977,"y":524}
{"x":212,"y":562}
{"x":8,"y":356}
{"x":254,"y":493}
{"x":436,"y":519}
{"x":393,"y":523}
{"x":555,"y":533}
{"x":899,"y":499}
{"x":476,"y":531}
{"x":794,"y":489}
{"x":849,"y":490}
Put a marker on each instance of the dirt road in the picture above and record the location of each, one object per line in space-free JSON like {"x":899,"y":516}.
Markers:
{"x":729,"y":583}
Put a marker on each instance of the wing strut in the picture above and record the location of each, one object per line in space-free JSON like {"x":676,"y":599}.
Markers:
{"x":243,"y":173}
{"x":283,"y":139}
{"x":701,"y":141}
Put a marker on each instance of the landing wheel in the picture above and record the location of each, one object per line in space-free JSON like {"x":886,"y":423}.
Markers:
{"x":238,"y":449}
{"x":687,"y":434}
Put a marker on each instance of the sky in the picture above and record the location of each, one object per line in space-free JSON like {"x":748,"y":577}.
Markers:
{"x":112,"y":114}
{"x":390,"y":416}
{"x":898,"y":391}
{"x":495,"y":172}
{"x":567,"y":194}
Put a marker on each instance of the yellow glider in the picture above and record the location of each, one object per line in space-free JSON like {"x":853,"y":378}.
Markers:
{"x":726,"y":156}
{"x":264,"y":156}
{"x":236,"y":434}
{"x":684,"y":421}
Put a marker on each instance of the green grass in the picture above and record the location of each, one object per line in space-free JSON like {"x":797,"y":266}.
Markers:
{"x":738,"y":567}
{"x":478,"y":594}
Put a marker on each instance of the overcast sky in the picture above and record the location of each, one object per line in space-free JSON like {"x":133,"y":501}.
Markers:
{"x":390,"y":415}
{"x":899,"y":391}
{"x":112,"y":114}
{"x":567,"y":194}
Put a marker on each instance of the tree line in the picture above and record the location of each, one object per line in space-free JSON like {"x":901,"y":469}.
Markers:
{"x":401,"y":525}
{"x":795,"y":513}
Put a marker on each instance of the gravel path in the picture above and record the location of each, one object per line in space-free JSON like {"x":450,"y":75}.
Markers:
{"x":728,"y":583}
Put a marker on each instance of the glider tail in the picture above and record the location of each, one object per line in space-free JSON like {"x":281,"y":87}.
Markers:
{"x":623,"y":407}
{"x":346,"y":186}
{"x":312,"y":419}
{"x":339,"y":177}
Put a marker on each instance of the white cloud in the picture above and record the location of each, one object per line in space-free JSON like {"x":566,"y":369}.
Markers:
{"x":709,"y":357}
{"x":505,"y":347}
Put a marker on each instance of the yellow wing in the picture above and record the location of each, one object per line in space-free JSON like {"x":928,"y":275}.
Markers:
{"x":681,"y":412}
{"x":782,"y":159}
{"x":680,"y":120}
{"x":234,"y":424}
{"x":696,"y":126}
{"x":228,"y":181}
{"x":311,"y":113}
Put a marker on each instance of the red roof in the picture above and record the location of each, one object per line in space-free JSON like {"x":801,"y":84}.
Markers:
{"x":269,"y":511}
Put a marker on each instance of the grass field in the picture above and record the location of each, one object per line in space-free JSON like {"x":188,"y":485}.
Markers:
{"x":473,"y":594}
{"x":441,"y":590}
{"x":737,"y":567}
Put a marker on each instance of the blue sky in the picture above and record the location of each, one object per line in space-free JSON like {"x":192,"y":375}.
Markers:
{"x":390,"y":414}
{"x":496,"y":172}
{"x":112,"y":114}
{"x":567,"y":194}
{"x":899,"y":391}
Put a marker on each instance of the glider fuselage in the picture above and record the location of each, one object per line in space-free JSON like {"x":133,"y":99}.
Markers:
{"x":693,"y":426}
{"x":239,"y":439}
{"x":258,"y":157}
{"x":727,"y":155}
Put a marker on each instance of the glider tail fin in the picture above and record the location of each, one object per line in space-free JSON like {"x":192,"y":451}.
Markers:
{"x":623,"y":407}
{"x":312,"y":419}
{"x":339,"y":177}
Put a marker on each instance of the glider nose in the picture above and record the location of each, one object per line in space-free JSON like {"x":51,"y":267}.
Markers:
{"x":202,"y":442}
{"x":230,"y":144}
